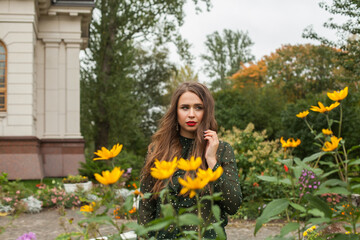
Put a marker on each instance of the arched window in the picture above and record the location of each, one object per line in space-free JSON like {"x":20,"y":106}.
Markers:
{"x":2,"y":77}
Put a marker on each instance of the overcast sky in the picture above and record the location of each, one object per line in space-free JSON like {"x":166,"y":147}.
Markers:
{"x":269,"y":23}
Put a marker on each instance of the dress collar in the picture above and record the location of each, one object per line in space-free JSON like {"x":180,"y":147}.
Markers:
{"x":186,"y":141}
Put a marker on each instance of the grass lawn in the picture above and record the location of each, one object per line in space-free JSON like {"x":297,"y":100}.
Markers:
{"x":31,"y":184}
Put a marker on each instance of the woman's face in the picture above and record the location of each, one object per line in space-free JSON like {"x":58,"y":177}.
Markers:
{"x":190,"y":111}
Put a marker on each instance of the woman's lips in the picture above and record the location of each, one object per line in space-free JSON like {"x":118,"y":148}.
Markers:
{"x":191,"y":124}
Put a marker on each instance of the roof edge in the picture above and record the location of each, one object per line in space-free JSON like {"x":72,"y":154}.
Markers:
{"x":73,"y":3}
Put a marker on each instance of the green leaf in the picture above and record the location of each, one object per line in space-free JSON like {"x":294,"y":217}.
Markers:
{"x":355,"y":162}
{"x":341,"y":236}
{"x":338,"y":190}
{"x":319,"y":204}
{"x":275,"y":207}
{"x":160,"y":223}
{"x":353,"y":148}
{"x":219,"y":231}
{"x":297,"y":171}
{"x":355,"y":186}
{"x":216,"y":211}
{"x":129,"y":202}
{"x":330,"y":164}
{"x":167,"y":210}
{"x":260,"y":221}
{"x":139,"y":229}
{"x":316,"y":212}
{"x":333,"y":182}
{"x":268,"y":178}
{"x":313,"y":157}
{"x":286,"y":181}
{"x":66,"y":236}
{"x":97,"y":219}
{"x":147,"y":195}
{"x":317,"y":171}
{"x":319,"y":220}
{"x":329,"y":173}
{"x":288,"y":162}
{"x":292,"y":226}
{"x":189,"y":219}
{"x":298,"y":207}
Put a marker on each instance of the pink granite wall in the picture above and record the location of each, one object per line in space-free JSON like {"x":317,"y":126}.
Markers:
{"x":31,"y":158}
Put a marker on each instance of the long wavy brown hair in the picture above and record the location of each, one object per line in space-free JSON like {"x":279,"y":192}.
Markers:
{"x":165,"y":144}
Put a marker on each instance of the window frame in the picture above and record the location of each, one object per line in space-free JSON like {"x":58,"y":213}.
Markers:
{"x":4,"y":89}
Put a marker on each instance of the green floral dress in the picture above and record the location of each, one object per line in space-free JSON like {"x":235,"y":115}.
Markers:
{"x":228,"y":184}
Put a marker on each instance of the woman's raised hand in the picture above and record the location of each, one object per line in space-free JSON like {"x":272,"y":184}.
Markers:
{"x":211,"y":147}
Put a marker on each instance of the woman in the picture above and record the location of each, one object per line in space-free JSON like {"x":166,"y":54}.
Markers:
{"x":189,"y":129}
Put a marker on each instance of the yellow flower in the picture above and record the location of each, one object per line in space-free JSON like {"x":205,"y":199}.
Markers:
{"x":105,"y":154}
{"x":330,"y":146}
{"x":323,"y":109}
{"x":88,"y":208}
{"x":290,"y":142}
{"x":192,"y":185}
{"x":327,"y":132}
{"x":305,"y":234}
{"x":338,"y":95}
{"x":189,"y":165}
{"x":212,"y":176}
{"x":109,"y":177}
{"x":302,"y":114}
{"x":163,"y":169}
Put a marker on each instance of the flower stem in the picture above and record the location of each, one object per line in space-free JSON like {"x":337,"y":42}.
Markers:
{"x":199,"y":215}
{"x":312,"y":130}
{"x":340,"y":123}
{"x":340,"y":171}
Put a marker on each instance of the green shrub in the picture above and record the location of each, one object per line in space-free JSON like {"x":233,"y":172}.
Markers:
{"x":125,"y":159}
{"x":255,"y":155}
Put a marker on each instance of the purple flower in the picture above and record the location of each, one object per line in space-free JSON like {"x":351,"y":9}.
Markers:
{"x":27,"y":236}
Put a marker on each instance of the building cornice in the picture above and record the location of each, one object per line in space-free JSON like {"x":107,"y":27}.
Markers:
{"x":72,"y":8}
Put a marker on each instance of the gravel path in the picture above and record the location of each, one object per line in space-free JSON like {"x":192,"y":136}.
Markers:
{"x":47,"y":226}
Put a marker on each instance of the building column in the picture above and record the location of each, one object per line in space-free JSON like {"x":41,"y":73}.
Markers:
{"x":72,"y":129}
{"x":51,"y":88}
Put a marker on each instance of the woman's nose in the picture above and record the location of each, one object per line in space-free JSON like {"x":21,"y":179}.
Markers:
{"x":191,"y":112}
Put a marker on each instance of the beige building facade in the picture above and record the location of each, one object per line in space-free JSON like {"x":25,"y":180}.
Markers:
{"x":40,"y":43}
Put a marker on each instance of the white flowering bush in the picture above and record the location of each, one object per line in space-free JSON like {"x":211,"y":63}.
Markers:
{"x":33,"y":205}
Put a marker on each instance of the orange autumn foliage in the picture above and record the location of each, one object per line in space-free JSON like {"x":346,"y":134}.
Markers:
{"x":254,"y":74}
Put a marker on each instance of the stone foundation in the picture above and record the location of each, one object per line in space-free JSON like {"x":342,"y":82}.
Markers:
{"x":33,"y":158}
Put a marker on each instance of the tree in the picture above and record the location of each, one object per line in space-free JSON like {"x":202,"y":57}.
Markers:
{"x":178,"y":76}
{"x":224,"y":55}
{"x":113,"y":106}
{"x":253,"y":74}
{"x":349,"y":42}
{"x":260,"y":106}
{"x":295,"y":69}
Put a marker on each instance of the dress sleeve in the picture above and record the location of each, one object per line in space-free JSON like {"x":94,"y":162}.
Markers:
{"x":147,"y":207}
{"x":228,"y":183}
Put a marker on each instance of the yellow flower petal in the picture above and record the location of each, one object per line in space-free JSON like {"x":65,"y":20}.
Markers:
{"x":330,"y":146}
{"x":105,"y":154}
{"x":327,"y":132}
{"x":290,"y":143}
{"x":302,"y":114}
{"x":109,"y":177}
{"x":192,"y":194}
{"x":163,"y":169}
{"x":323,"y":109}
{"x":189,"y":165}
{"x":338,"y":95}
